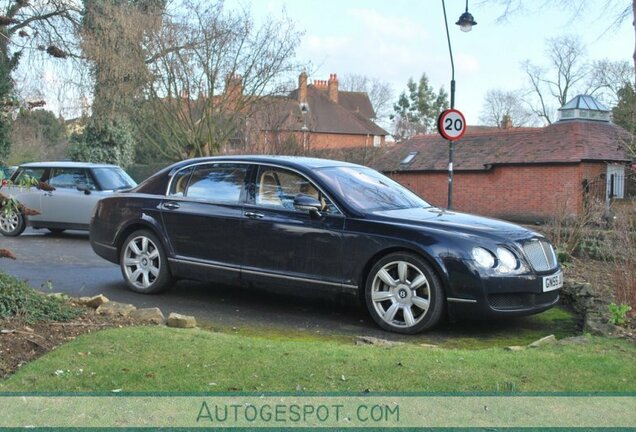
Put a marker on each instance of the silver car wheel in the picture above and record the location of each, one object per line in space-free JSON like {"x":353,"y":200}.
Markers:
{"x":9,"y":220}
{"x":401,"y":294}
{"x":142,"y":262}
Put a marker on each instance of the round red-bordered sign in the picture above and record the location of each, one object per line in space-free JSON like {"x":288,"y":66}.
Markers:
{"x":451,"y":124}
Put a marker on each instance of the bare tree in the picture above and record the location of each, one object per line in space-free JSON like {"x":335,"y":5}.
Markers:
{"x":621,"y":10}
{"x":380,"y":92}
{"x":565,"y":74}
{"x":608,"y":78}
{"x":504,"y":108}
{"x":212,"y":66}
{"x":25,"y":26}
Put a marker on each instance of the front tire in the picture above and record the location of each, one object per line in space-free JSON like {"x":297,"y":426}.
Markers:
{"x":143,"y":263}
{"x":403,"y":294}
{"x":12,"y":222}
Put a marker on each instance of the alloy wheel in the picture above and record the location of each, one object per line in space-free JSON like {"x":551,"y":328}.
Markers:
{"x":141,"y":262}
{"x":401,"y":294}
{"x":9,"y":221}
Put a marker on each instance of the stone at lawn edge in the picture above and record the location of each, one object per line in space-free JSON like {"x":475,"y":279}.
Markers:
{"x":151,"y":315}
{"x":548,"y":340}
{"x":597,"y":325}
{"x":115,"y":309}
{"x":94,"y":302}
{"x":370,"y":340}
{"x":181,"y":321}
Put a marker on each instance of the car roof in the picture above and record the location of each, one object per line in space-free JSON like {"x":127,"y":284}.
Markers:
{"x":68,"y":164}
{"x":291,"y":161}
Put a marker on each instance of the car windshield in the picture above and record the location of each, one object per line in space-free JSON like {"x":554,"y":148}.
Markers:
{"x":368,"y":190}
{"x":113,"y":178}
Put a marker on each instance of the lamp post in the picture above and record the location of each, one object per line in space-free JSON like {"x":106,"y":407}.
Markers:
{"x":465,"y":23}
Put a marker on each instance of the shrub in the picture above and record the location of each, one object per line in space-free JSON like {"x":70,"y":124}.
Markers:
{"x":605,"y":236}
{"x":108,"y":141}
{"x":17,"y":299}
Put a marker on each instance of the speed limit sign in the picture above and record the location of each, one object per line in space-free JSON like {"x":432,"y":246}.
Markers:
{"x":451,"y":124}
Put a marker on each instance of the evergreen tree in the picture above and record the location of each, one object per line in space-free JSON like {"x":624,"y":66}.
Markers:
{"x":624,"y":113}
{"x":418,"y":108}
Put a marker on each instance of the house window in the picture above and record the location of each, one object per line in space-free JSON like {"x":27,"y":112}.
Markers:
{"x":408,"y":159}
{"x":377,"y":140}
{"x":615,"y":181}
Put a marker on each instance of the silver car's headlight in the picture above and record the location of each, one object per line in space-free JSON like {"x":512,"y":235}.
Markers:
{"x":484,"y":258}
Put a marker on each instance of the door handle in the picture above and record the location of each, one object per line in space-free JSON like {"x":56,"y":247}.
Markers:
{"x":254,"y":215}
{"x":171,"y":205}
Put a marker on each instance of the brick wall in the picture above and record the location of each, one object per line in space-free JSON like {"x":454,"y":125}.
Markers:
{"x":525,"y":193}
{"x":340,"y":141}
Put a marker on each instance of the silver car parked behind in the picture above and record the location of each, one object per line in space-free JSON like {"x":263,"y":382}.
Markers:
{"x":78,"y":187}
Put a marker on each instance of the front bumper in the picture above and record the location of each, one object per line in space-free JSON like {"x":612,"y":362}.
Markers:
{"x":471,"y":294}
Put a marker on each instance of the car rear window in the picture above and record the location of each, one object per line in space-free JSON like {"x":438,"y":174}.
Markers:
{"x":217,"y":183}
{"x":23,"y":172}
{"x":113,"y":178}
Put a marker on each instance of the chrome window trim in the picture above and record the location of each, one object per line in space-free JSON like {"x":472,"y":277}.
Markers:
{"x":170,"y":197}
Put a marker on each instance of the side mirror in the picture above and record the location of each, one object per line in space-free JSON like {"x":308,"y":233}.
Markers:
{"x":307,"y":203}
{"x":83,"y":187}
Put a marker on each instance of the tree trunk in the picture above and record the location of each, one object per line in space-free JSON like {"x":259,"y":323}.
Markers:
{"x":634,"y":24}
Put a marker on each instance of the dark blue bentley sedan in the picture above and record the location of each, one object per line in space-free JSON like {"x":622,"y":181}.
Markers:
{"x":322,"y":224}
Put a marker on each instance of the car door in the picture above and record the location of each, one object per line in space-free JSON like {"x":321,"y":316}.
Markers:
{"x":284,"y":245}
{"x":67,"y":204}
{"x":202,"y":217}
{"x":30,"y":197}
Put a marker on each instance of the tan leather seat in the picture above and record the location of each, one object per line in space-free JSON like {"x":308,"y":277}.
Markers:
{"x":268,"y":191}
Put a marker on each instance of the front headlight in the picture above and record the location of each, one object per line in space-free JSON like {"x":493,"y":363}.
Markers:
{"x":507,"y":260}
{"x":483,"y":257}
{"x":502,"y":261}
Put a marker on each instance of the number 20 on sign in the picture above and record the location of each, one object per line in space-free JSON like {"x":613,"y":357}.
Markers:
{"x":451,"y":124}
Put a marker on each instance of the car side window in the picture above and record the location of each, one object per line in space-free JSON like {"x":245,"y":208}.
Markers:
{"x":180,"y":182}
{"x":70,"y":178}
{"x":221,"y":183}
{"x":277,"y":188}
{"x":35,"y":173}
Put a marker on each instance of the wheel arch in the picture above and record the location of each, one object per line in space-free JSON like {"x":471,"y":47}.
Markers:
{"x":137,"y":225}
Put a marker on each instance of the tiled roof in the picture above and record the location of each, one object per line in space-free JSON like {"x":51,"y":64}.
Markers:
{"x":562,"y":142}
{"x":325,"y":116}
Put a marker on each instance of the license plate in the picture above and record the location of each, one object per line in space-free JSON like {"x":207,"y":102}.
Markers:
{"x":551,"y":283}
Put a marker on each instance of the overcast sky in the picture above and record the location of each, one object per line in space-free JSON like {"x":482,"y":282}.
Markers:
{"x":398,"y":39}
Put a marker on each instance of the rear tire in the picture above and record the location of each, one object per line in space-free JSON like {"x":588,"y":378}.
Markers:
{"x":143,"y":263}
{"x":403,"y":294}
{"x":12,"y":222}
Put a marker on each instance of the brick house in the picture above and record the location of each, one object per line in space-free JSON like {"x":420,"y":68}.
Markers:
{"x":313,"y":117}
{"x":524,"y":174}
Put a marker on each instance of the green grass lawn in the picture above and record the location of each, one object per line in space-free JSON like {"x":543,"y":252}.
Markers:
{"x":165,"y":359}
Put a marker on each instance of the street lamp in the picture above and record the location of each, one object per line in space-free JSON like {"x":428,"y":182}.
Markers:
{"x":466,"y":23}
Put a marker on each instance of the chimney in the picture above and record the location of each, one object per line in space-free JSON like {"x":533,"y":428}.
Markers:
{"x":234,"y":87}
{"x":302,"y":88}
{"x":332,"y":86}
{"x":506,"y":122}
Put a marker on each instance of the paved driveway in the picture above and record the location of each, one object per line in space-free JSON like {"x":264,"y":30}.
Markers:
{"x":70,"y":265}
